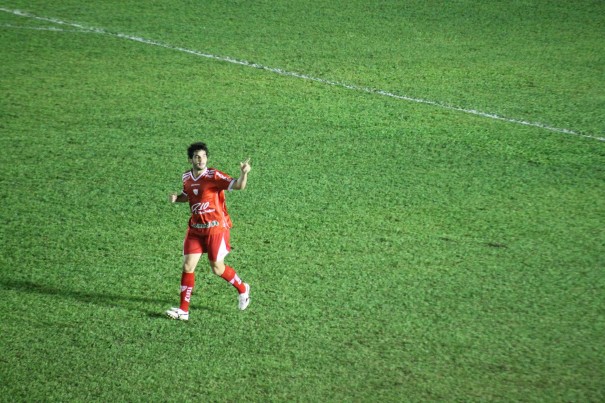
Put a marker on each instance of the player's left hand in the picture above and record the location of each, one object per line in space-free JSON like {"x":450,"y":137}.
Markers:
{"x":245,"y":166}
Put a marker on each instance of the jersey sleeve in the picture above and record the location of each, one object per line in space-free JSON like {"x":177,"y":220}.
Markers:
{"x":184,"y":192}
{"x":222,"y":181}
{"x":184,"y":178}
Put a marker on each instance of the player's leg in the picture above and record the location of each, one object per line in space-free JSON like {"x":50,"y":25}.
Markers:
{"x":218,"y":248}
{"x":192,"y":252}
{"x":190,"y":262}
{"x":228,"y":274}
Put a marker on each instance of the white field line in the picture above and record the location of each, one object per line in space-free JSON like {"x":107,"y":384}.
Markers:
{"x":82,"y":28}
{"x":52,"y":29}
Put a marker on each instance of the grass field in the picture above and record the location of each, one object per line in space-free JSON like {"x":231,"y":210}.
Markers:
{"x":424,"y":219}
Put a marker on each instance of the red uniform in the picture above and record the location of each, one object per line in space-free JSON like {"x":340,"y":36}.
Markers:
{"x":209,"y":223}
{"x":207,"y":201}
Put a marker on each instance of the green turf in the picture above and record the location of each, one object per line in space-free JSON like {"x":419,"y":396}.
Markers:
{"x":397,"y":251}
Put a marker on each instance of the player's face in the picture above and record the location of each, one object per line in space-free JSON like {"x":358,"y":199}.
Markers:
{"x":199,"y":160}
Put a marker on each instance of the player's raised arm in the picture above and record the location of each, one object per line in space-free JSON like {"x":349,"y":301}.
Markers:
{"x":240,"y":183}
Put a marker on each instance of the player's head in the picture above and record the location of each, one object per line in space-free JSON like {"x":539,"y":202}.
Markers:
{"x":198,"y":156}
{"x":196,"y":147}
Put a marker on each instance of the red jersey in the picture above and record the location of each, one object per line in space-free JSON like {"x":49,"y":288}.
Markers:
{"x":207,"y":201}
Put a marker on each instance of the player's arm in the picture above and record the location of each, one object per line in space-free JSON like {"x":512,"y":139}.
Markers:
{"x":240,"y":183}
{"x":174,"y":198}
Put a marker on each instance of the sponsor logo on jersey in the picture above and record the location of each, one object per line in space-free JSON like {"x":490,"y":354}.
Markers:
{"x":201,"y":208}
{"x":204,"y":226}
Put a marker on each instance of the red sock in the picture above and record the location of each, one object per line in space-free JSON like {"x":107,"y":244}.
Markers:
{"x":187,"y":283}
{"x":231,"y":276}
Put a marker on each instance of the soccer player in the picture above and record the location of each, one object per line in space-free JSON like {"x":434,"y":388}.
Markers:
{"x":209,"y":225}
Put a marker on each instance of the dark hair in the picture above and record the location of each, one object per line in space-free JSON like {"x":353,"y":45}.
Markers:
{"x":196,"y":147}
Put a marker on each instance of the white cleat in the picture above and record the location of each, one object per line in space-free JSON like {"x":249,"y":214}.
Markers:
{"x":244,"y":298}
{"x":178,"y":314}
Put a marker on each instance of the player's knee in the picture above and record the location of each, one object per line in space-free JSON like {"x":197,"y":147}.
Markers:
{"x":218,"y":268}
{"x":188,"y":267}
{"x":190,"y":262}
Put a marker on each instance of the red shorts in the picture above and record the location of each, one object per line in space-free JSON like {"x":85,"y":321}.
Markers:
{"x":215,"y":245}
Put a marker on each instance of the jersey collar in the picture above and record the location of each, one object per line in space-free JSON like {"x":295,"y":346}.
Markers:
{"x":200,"y":175}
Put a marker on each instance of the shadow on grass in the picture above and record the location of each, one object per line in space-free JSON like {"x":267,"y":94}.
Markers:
{"x":132,"y":302}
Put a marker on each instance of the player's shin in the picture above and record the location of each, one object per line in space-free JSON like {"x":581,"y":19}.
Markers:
{"x":231,"y":276}
{"x":187,"y":284}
